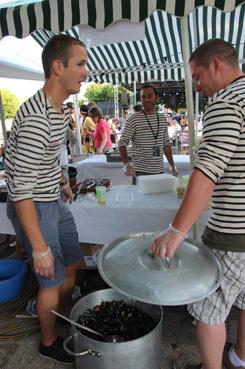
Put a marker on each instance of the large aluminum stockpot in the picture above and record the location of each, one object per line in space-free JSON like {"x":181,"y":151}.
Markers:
{"x":143,"y":352}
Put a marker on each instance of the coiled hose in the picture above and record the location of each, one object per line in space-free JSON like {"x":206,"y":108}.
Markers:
{"x":22,"y":329}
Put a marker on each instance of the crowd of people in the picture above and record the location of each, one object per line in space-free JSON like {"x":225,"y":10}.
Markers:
{"x":38,"y":190}
{"x":98,"y":134}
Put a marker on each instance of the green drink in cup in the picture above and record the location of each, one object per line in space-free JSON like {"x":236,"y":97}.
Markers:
{"x":101,"y":194}
{"x":183,"y":182}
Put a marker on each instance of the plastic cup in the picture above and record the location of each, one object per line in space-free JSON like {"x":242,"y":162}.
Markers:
{"x":181,"y":187}
{"x":101,"y":194}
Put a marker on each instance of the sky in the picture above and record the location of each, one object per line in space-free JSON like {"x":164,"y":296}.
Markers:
{"x":21,"y":88}
{"x":17,"y":51}
{"x":25,"y":52}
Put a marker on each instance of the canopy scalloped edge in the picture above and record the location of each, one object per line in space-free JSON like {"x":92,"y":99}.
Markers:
{"x":59,"y":16}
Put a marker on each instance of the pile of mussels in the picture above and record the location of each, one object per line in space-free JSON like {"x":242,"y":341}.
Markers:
{"x":118,"y":318}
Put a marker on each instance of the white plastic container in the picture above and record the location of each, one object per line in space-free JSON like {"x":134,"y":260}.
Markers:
{"x":157,"y":183}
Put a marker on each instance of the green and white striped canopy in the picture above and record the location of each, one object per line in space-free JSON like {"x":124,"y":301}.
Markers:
{"x":156,"y":57}
{"x":22,"y":17}
{"x":159,"y":56}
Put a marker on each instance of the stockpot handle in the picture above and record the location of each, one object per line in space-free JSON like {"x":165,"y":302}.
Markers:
{"x":74,"y":354}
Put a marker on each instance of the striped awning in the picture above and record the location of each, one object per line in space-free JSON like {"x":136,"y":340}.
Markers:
{"x":156,"y":57}
{"x":159,"y":56}
{"x":22,"y":17}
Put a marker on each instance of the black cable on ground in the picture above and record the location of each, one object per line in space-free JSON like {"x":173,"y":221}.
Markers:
{"x":6,"y":333}
{"x":26,"y":295}
{"x":32,"y":325}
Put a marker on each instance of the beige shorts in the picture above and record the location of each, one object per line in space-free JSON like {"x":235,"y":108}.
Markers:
{"x":215,"y":308}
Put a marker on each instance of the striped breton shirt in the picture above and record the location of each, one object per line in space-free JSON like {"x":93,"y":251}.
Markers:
{"x":138,"y":131}
{"x":221,"y":157}
{"x":32,"y":157}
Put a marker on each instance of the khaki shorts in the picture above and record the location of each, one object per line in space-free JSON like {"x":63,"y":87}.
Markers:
{"x":215,"y":308}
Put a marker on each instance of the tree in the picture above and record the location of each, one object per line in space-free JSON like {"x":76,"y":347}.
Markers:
{"x":98,"y":92}
{"x":10,"y":103}
{"x":102,"y":92}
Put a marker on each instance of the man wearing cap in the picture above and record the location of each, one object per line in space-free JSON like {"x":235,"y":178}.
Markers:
{"x":87,"y":130}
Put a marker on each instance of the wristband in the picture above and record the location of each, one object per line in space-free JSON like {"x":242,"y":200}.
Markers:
{"x":179,"y":233}
{"x":39,"y":255}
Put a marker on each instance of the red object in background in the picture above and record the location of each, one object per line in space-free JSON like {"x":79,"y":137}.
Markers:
{"x":1,"y":150}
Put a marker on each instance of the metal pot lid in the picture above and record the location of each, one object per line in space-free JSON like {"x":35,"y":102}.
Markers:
{"x":193,"y":274}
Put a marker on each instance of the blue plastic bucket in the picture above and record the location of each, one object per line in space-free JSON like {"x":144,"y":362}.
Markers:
{"x":12,"y":276}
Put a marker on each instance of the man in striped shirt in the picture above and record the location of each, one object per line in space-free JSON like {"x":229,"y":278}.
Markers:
{"x":42,"y":222}
{"x":219,"y":171}
{"x":147,"y":131}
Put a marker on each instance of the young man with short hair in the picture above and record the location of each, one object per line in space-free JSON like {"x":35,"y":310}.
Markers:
{"x":218,"y":172}
{"x":42,"y":222}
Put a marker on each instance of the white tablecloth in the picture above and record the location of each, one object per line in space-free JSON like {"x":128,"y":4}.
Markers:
{"x":126,"y":211}
{"x":97,"y":167}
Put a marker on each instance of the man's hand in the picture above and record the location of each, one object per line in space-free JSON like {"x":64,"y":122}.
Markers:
{"x":174,"y":170}
{"x":44,"y":263}
{"x":129,"y":169}
{"x":166,"y":243}
{"x":66,"y":193}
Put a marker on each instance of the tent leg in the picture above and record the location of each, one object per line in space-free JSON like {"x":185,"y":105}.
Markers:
{"x":189,"y":99}
{"x":78,"y":133}
{"x":116,"y":102}
{"x":3,"y":121}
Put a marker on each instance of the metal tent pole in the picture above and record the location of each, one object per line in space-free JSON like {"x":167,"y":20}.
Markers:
{"x":135,"y":93}
{"x":196,"y":93}
{"x":188,"y":86}
{"x":196,"y":116}
{"x":3,"y":121}
{"x":116,"y":101}
{"x":78,"y":132}
{"x":189,"y":99}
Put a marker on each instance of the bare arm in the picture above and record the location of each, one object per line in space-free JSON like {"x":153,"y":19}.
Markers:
{"x":66,"y":192}
{"x":124,"y":154}
{"x":128,"y":167}
{"x":104,"y":140}
{"x":168,"y":153}
{"x":103,"y":143}
{"x":196,"y":198}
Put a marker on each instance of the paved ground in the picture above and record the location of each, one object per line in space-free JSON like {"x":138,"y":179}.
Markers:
{"x":178,"y":346}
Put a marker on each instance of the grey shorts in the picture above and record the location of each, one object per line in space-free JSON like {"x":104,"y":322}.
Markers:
{"x":215,"y":308}
{"x":59,"y":231}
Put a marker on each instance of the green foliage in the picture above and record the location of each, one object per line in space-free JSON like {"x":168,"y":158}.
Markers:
{"x":102,"y":92}
{"x":10,"y":103}
{"x":82,"y":101}
{"x":98,"y":92}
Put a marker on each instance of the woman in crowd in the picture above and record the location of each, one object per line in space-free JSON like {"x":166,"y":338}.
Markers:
{"x":87,"y":130}
{"x":102,"y":139}
{"x":115,"y":130}
{"x":72,"y":123}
